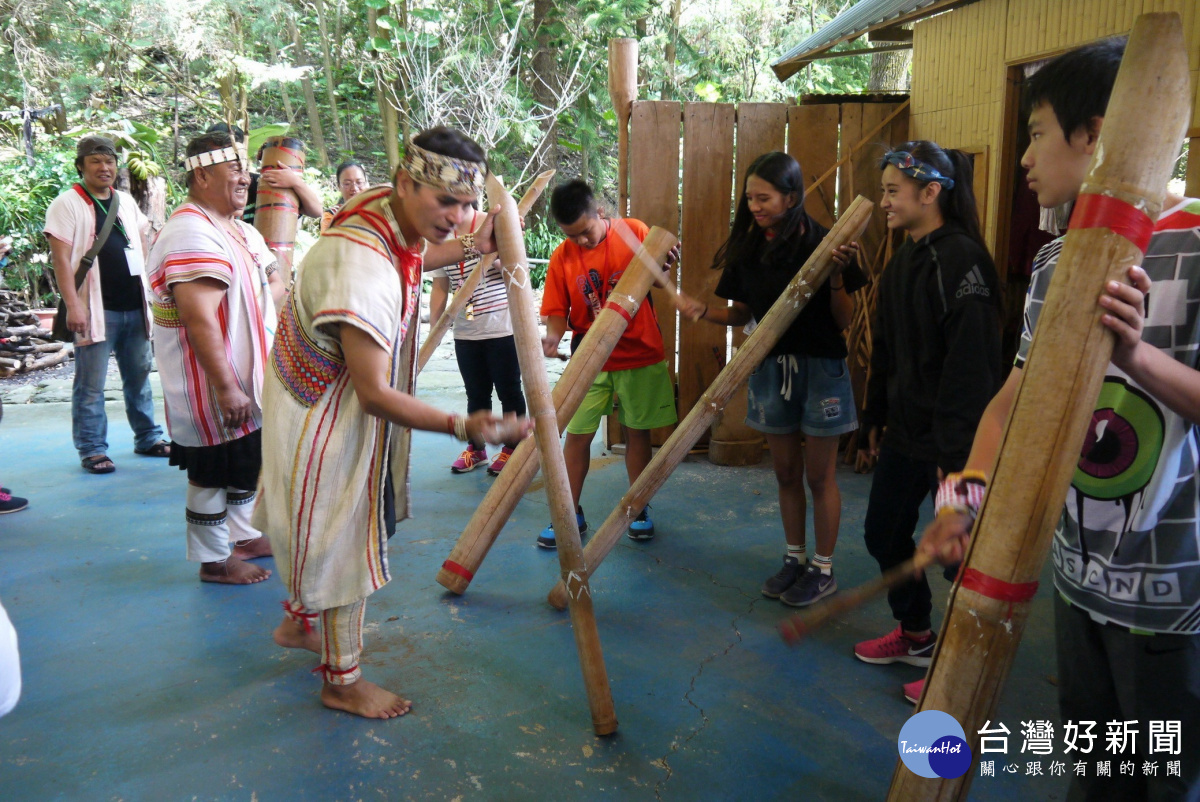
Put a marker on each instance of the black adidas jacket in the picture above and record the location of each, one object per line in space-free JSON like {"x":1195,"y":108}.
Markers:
{"x":935,"y":358}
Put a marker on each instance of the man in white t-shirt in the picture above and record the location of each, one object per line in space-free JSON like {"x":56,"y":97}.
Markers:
{"x":484,"y":348}
{"x":110,"y":313}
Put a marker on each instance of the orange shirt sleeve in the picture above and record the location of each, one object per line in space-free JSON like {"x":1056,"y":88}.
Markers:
{"x":555,"y":300}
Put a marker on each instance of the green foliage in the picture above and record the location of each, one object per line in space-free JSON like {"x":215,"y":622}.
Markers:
{"x":136,"y":144}
{"x":541,"y":238}
{"x":140,"y":71}
{"x":25,"y":194}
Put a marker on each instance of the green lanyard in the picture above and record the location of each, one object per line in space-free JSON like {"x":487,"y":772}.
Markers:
{"x":103,"y":208}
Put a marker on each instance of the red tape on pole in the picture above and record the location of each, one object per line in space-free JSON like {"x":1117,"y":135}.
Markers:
{"x":455,"y":568}
{"x":998,"y":589}
{"x":620,"y":310}
{"x":1119,"y":217}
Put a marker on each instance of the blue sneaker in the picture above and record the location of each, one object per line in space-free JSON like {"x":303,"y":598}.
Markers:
{"x":546,"y":538}
{"x":641,"y":527}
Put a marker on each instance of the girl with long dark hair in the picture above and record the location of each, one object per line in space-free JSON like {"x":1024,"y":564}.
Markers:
{"x":935,"y":364}
{"x":800,"y":396}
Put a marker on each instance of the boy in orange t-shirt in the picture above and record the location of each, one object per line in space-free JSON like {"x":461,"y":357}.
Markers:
{"x":582,"y":272}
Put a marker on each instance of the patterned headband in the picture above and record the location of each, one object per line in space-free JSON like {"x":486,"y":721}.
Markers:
{"x":906,"y":163}
{"x":211,"y":157}
{"x":456,"y":176}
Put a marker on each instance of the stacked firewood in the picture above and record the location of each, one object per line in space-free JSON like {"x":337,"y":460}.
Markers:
{"x":24,"y":345}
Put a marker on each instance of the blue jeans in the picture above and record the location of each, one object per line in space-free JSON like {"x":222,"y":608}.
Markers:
{"x":125,"y":335}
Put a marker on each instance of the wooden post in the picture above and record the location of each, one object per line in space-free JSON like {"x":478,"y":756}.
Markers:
{"x":732,"y":376}
{"x":439,"y":328}
{"x":1039,"y":452}
{"x":511,"y":244}
{"x":623,"y":302}
{"x":622,"y":89}
{"x":277,"y":211}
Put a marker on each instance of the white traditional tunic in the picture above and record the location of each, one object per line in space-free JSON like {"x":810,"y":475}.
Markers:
{"x":325,"y":460}
{"x":194,"y":245}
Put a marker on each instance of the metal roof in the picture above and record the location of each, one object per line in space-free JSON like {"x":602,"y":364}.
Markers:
{"x":858,"y":19}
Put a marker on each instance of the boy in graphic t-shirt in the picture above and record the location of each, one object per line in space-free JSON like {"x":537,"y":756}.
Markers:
{"x":1126,"y":553}
{"x":582,"y":272}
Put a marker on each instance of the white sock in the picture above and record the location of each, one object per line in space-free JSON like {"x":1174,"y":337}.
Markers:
{"x":824,"y":563}
{"x":797,"y":552}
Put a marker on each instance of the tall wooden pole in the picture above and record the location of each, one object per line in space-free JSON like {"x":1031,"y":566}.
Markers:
{"x":623,"y":302}
{"x":795,"y":296}
{"x":440,"y":326}
{"x":1145,"y":122}
{"x":511,"y":244}
{"x":622,"y":89}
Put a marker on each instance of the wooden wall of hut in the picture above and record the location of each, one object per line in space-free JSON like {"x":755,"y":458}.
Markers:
{"x":961,"y":75}
{"x":687,"y":163}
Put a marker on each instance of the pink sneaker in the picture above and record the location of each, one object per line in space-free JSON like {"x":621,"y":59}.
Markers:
{"x":912,"y":690}
{"x":499,"y":461}
{"x":469,"y":460}
{"x":896,"y":647}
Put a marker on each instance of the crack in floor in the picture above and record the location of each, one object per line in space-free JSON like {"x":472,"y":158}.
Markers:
{"x":664,"y":761}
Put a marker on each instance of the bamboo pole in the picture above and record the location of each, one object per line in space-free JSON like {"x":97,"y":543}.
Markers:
{"x":277,"y":210}
{"x":511,"y":245}
{"x":1145,"y":121}
{"x":622,"y":89}
{"x":456,"y":304}
{"x":756,"y":347}
{"x":623,"y":303}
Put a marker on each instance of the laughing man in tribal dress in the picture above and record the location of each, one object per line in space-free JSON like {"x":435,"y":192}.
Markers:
{"x":339,"y":407}
{"x":215,"y":293}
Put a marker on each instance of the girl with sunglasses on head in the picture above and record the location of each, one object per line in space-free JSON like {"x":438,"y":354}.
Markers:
{"x":935,"y":364}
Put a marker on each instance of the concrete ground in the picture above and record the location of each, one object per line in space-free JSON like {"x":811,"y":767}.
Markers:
{"x":141,"y":683}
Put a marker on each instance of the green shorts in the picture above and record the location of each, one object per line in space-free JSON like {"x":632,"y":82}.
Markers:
{"x":647,"y":400}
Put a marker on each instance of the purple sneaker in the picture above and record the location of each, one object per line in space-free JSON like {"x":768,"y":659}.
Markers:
{"x":469,"y":460}
{"x":811,"y":586}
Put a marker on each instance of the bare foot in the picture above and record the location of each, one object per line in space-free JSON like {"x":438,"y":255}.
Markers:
{"x":365,"y":699}
{"x":292,"y":635}
{"x":232,"y":571}
{"x":252,"y":549}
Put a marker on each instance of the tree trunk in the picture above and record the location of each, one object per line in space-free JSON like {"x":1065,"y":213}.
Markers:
{"x":405,"y":113}
{"x":387,"y":111}
{"x":339,"y":136}
{"x":310,"y":100}
{"x":889,"y":72}
{"x":669,"y":82}
{"x":227,"y":89}
{"x":546,"y":82}
{"x":283,"y":91}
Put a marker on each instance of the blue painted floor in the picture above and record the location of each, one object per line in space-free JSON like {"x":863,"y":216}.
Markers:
{"x":141,"y":683}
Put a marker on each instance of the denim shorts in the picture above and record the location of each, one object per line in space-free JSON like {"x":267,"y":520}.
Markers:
{"x":808,"y":394}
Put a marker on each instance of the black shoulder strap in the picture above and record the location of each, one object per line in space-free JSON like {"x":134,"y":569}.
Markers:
{"x":88,"y":258}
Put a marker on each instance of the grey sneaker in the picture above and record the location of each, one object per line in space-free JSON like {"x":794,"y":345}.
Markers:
{"x":811,"y":587}
{"x":783,"y":580}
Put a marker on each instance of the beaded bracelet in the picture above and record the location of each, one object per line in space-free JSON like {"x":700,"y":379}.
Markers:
{"x":468,"y":245}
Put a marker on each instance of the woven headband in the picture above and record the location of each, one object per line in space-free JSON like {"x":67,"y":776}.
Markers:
{"x":913,"y":167}
{"x":456,"y":176}
{"x":211,"y":157}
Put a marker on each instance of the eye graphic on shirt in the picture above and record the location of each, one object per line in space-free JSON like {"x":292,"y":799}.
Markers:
{"x":1122,"y":447}
{"x":1123,"y":443}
